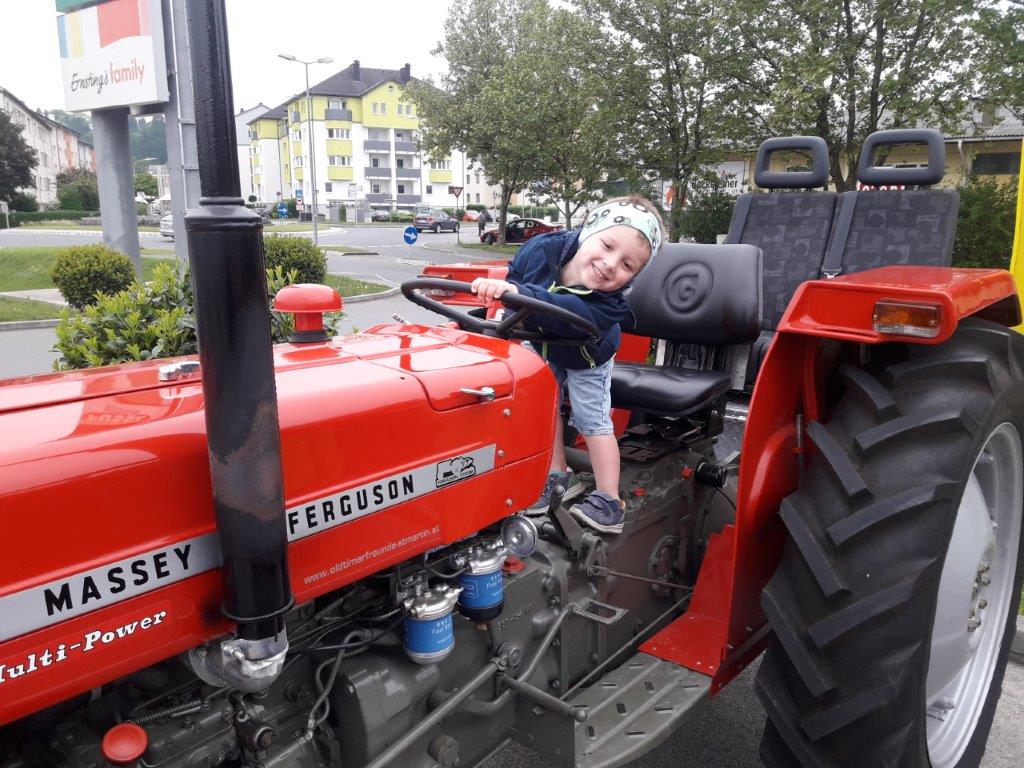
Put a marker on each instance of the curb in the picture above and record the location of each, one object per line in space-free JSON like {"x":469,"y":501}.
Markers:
{"x":23,"y":230}
{"x":24,"y":325}
{"x":372,"y":296}
{"x":1017,"y":645}
{"x":352,"y":253}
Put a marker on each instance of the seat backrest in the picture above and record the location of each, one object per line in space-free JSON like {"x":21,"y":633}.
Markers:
{"x":901,"y":225}
{"x":791,"y":228}
{"x":702,"y":294}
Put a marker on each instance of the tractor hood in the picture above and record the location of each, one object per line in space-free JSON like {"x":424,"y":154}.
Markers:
{"x":105,"y":497}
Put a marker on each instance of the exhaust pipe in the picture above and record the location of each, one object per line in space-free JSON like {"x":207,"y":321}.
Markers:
{"x":227,"y":261}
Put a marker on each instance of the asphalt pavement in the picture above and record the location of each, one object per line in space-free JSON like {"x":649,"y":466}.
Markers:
{"x":726,"y":730}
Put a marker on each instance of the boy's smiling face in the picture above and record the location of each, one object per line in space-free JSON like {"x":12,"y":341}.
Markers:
{"x":608,"y":259}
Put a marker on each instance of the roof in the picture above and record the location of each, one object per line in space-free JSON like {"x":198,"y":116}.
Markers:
{"x":40,"y":117}
{"x":353,"y":81}
{"x":1004,"y":125}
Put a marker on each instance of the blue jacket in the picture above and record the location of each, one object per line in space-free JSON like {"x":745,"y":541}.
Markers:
{"x":534,"y":271}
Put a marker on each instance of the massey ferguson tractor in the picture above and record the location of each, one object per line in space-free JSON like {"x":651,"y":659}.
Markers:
{"x":312,"y":554}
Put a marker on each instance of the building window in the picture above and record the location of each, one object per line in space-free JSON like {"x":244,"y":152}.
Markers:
{"x":297,"y":161}
{"x":400,"y":163}
{"x":477,"y":176}
{"x":401,"y":110}
{"x":375,"y":162}
{"x":467,"y":177}
{"x":337,"y":104}
{"x":328,"y":187}
{"x":339,"y":160}
{"x":993,"y":163}
{"x":430,"y":190}
{"x":442,"y":165}
{"x":375,"y":107}
{"x":296,"y":135}
{"x":375,"y":188}
{"x":408,"y":109}
{"x":339,"y":133}
{"x":478,"y":197}
{"x":401,"y":189}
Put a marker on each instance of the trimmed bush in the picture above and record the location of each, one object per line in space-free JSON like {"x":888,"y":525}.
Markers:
{"x":83,"y":271}
{"x":984,"y":228}
{"x":707,"y":215}
{"x":401,"y":216}
{"x":25,"y":203}
{"x":24,"y":217}
{"x":152,"y":321}
{"x":296,"y":254}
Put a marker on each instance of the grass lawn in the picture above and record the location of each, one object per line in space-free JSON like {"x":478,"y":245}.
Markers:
{"x":506,"y":250}
{"x":295,"y":226}
{"x":348,"y":286}
{"x":345,"y":249}
{"x":76,"y":225}
{"x":23,"y":269}
{"x":23,"y":309}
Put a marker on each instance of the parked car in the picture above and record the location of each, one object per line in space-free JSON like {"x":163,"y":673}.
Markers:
{"x":519,"y":231}
{"x":167,"y":226}
{"x":380,"y":214}
{"x":436,"y":221}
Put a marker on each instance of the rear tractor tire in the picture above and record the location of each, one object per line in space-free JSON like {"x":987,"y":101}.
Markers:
{"x":895,"y":601}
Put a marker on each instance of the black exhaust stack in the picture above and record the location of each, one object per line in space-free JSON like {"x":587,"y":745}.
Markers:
{"x":225,"y":244}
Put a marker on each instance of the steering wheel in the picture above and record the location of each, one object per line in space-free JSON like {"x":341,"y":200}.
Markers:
{"x":522,"y":306}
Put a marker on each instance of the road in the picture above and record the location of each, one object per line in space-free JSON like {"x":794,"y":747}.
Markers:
{"x":724,"y":733}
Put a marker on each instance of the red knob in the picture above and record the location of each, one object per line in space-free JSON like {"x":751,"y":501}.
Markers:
{"x":308,"y":302}
{"x":124,"y":744}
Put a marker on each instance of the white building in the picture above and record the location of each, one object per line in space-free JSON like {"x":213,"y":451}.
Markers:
{"x":242,"y":120}
{"x":39,"y":133}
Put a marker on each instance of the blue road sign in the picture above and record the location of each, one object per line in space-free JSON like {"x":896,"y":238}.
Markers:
{"x":282,"y":210}
{"x":410,"y":234}
{"x":298,"y":194}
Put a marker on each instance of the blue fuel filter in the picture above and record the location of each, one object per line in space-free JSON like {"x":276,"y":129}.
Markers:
{"x":483,"y":589}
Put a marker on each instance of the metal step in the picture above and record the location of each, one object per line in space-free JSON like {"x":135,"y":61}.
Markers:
{"x":634,"y":708}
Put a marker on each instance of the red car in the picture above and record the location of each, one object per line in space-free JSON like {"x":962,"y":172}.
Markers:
{"x":519,"y":231}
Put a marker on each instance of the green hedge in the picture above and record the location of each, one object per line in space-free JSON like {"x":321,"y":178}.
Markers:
{"x":82,"y":272}
{"x":19,"y":217}
{"x":296,"y":254}
{"x":147,"y":322}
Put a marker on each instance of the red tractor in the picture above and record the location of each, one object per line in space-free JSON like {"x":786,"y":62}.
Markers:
{"x":311,"y":554}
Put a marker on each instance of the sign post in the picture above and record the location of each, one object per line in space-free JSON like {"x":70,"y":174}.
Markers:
{"x":410,"y":234}
{"x":457,"y":191}
{"x":4,"y":210}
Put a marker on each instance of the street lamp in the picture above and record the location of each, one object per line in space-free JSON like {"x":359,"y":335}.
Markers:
{"x":135,"y":164}
{"x":309,"y":123}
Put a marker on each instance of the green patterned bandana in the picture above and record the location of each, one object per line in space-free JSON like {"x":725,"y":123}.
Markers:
{"x":627,"y":214}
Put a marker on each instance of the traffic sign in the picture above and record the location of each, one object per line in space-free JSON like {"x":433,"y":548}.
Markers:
{"x":298,"y":194}
{"x":282,"y":210}
{"x":411,"y":235}
{"x":455,"y":191}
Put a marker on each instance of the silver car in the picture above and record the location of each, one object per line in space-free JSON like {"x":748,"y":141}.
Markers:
{"x":167,"y":226}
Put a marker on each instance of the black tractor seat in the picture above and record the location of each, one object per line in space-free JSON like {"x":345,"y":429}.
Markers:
{"x":696,"y":294}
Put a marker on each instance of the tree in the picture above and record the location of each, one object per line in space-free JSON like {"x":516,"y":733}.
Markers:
{"x":842,"y":70}
{"x":1001,"y":60}
{"x":146,"y":184}
{"x":17,"y":159}
{"x":77,"y":190}
{"x":707,"y":214}
{"x":668,"y":70}
{"x":148,"y":139}
{"x":484,"y":106}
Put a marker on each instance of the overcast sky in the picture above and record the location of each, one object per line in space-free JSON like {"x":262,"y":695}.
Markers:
{"x":380,"y":33}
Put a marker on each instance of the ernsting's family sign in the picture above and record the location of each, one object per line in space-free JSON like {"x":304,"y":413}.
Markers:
{"x":112,"y":54}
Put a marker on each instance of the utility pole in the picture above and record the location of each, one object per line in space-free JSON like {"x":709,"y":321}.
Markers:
{"x":309,"y":129}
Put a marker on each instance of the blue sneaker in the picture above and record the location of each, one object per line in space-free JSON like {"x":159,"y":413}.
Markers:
{"x":565,"y":479}
{"x":600,"y":511}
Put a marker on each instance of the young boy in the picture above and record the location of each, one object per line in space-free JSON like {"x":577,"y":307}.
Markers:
{"x":585,"y":271}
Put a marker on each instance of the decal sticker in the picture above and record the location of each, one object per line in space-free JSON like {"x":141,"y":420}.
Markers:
{"x":107,"y":635}
{"x":323,"y":513}
{"x":48,"y":604}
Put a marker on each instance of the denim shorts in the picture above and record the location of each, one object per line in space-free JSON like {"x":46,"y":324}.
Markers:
{"x":590,"y":396}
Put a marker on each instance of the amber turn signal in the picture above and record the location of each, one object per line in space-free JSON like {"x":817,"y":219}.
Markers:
{"x":907,"y":319}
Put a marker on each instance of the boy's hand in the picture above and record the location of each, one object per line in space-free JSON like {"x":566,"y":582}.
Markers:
{"x":489,"y":289}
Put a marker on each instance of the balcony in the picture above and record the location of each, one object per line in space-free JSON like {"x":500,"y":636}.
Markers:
{"x":378,"y":198}
{"x":405,"y":199}
{"x":405,"y":146}
{"x":378,"y":172}
{"x":375,"y":145}
{"x":296,"y":117}
{"x":338,"y":114}
{"x":407,"y":173}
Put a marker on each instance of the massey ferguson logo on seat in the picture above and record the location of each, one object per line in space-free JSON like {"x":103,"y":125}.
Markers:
{"x":452,"y":470}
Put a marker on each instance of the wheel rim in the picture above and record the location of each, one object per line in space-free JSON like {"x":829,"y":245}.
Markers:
{"x":975,"y":591}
